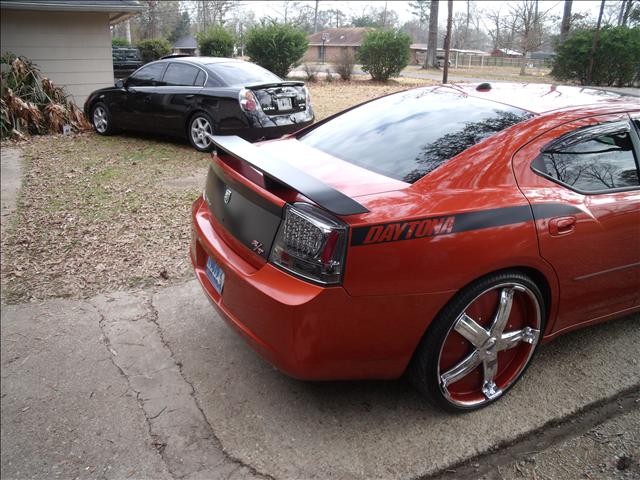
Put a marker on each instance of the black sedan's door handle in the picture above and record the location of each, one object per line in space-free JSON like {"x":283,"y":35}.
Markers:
{"x":147,"y":99}
{"x":189,"y":96}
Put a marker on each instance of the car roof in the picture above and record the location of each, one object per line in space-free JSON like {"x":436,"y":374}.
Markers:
{"x":541,"y":98}
{"x":203,"y":60}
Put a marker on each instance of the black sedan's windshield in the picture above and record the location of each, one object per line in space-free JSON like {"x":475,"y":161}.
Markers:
{"x":237,"y":74}
{"x":409,"y":134}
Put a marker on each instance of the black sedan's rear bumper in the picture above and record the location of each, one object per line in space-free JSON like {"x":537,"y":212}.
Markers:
{"x":265,"y":133}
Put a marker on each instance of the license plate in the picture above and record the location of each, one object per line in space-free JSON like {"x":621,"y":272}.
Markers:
{"x":284,"y":103}
{"x":215,"y":275}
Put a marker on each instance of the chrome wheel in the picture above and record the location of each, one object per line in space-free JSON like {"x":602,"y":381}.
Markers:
{"x":100,"y":119}
{"x":489,"y":345}
{"x":200,"y":129}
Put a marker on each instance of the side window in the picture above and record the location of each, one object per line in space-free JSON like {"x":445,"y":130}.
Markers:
{"x":591,"y":160}
{"x":148,"y":76}
{"x":180,"y":74}
{"x":200,"y":79}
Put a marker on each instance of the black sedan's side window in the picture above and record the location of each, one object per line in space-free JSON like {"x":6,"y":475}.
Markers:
{"x":591,"y":161}
{"x":180,"y":74}
{"x":148,"y":76}
{"x":200,"y":78}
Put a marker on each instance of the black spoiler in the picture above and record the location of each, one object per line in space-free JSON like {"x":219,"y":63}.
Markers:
{"x":281,"y":172}
{"x":284,"y":83}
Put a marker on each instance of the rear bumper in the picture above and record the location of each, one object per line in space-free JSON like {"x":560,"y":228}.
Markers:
{"x":255,"y":134}
{"x":306,"y":331}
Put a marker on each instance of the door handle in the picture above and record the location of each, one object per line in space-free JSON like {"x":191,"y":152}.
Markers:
{"x":189,"y":96}
{"x":561,"y":225}
{"x":147,"y":99}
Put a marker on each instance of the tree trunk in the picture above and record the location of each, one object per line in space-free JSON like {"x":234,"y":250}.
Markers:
{"x":623,"y":4}
{"x":447,"y":42}
{"x":315,"y":18}
{"x":627,"y":12}
{"x":432,"y":41}
{"x":594,"y":45}
{"x":565,"y":26}
{"x":465,"y":40}
{"x":523,"y":64}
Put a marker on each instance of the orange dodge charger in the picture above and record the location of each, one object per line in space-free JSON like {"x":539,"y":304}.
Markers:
{"x":444,"y":232}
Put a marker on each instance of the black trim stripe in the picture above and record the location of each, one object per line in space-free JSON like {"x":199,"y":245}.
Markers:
{"x":461,"y":222}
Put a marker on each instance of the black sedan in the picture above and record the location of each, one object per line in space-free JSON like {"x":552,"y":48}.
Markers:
{"x":196,"y":96}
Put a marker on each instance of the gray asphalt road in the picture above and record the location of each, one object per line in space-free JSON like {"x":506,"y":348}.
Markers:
{"x":155,"y":385}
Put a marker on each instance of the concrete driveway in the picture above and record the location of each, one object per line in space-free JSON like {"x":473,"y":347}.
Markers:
{"x":155,"y":385}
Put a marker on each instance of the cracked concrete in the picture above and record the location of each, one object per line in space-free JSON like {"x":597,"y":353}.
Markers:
{"x":66,"y":410}
{"x":177,"y":426}
{"x":155,"y":385}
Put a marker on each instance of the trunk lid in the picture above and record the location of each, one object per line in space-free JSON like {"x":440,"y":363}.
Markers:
{"x":280,"y":98}
{"x":248,"y":186}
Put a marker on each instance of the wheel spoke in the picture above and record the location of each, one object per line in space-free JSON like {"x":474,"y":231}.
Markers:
{"x":461,"y":370}
{"x":491,"y":390}
{"x":512,"y":339}
{"x":504,"y":310}
{"x":469,"y":329}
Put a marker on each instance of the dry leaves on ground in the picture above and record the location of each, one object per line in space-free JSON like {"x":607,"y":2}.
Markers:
{"x":100,"y":213}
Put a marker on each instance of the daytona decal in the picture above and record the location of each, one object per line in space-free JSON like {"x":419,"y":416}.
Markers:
{"x":461,"y":222}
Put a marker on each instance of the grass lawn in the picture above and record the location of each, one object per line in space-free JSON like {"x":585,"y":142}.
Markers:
{"x":533,"y":75}
{"x":105,"y":213}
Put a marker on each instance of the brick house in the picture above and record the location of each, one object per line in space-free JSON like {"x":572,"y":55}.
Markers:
{"x":336,"y":41}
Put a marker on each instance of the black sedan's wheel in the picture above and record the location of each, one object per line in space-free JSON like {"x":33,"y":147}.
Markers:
{"x":101,"y":119}
{"x":200,"y":127}
{"x":481,"y":343}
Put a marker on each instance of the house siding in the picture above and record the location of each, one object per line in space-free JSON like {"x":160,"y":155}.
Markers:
{"x":333,"y":53}
{"x":73,"y":49}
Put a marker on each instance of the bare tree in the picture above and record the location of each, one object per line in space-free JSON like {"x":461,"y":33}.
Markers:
{"x":528,"y":28}
{"x":315,"y":17}
{"x":420,"y":9}
{"x":625,"y":11}
{"x":432,"y":40}
{"x":465,"y":39}
{"x":565,"y":26}
{"x":447,"y":42}
{"x":502,"y":29}
{"x":594,"y":45}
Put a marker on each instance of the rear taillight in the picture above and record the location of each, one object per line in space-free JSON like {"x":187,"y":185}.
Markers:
{"x":307,"y":96}
{"x":248,"y":101}
{"x":311,"y":244}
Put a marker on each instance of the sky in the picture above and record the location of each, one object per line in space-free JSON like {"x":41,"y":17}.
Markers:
{"x":356,"y":7}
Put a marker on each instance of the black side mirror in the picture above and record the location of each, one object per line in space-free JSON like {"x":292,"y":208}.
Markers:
{"x":120,"y":83}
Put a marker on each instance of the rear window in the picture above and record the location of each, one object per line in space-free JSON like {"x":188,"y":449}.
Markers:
{"x":409,"y":134}
{"x":238,"y":74}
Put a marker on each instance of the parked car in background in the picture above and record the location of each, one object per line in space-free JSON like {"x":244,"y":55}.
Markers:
{"x":125,"y":60}
{"x":196,"y":97}
{"x":445,"y":232}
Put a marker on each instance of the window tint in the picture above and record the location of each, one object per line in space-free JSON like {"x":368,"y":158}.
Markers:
{"x":180,"y":74}
{"x":242,"y":73}
{"x":149,"y":75}
{"x":200,"y":78}
{"x":602,"y":162}
{"x":407,"y":135}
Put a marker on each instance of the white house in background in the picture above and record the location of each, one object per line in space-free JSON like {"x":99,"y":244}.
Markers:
{"x":68,"y":39}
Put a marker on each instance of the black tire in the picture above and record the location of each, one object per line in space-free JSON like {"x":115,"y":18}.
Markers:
{"x":200,"y":123}
{"x":101,"y":119}
{"x":424,"y":369}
